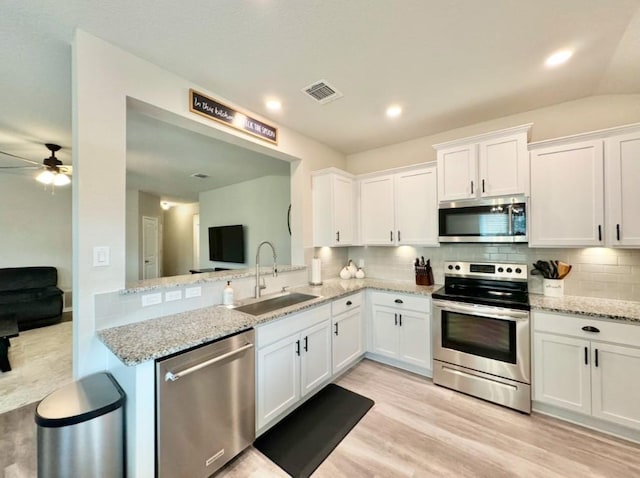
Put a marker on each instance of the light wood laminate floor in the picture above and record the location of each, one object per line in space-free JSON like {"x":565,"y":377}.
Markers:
{"x":415,"y":429}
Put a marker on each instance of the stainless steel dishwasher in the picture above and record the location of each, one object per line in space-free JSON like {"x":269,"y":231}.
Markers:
{"x":205,"y":407}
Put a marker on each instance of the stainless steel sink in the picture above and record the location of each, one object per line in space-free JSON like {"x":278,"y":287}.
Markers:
{"x":275,"y":303}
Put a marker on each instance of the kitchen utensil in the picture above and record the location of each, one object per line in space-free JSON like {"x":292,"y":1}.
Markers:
{"x":563,"y":270}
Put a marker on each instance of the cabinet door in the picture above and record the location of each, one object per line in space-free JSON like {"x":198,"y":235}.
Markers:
{"x":457,"y":173}
{"x":384,"y":334}
{"x":315,"y":359}
{"x":562,"y":372}
{"x":415,"y":338}
{"x":416,"y":207}
{"x":616,"y":383}
{"x":377,"y":211}
{"x":623,"y":194}
{"x":278,"y":376}
{"x":567,"y":195}
{"x":503,"y":166}
{"x":343,"y":210}
{"x":347,"y":339}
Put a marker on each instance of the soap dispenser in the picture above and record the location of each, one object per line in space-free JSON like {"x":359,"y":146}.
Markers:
{"x":227,"y":294}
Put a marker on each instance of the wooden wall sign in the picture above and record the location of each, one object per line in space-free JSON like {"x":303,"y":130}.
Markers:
{"x":212,"y":109}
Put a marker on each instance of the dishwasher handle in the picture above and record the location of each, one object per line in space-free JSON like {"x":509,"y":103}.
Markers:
{"x":172,"y":377}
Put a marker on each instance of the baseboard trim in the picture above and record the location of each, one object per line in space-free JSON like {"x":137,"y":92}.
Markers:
{"x":399,"y":364}
{"x":586,"y":421}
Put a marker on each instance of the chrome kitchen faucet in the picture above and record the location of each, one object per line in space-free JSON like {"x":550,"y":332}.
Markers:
{"x":275,"y":267}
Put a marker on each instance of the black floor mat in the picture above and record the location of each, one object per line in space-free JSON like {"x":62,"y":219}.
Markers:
{"x":300,"y":442}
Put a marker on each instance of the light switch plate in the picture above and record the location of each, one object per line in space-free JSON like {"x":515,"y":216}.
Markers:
{"x":151,"y":299}
{"x":172,"y":295}
{"x":192,"y":292}
{"x":101,"y":256}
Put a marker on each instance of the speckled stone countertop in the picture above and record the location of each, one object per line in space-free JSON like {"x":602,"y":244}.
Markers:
{"x":139,"y":342}
{"x":623,"y":310}
{"x":189,"y":279}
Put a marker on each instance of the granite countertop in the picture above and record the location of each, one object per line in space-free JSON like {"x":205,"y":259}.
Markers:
{"x":200,"y":278}
{"x":139,"y":342}
{"x":623,"y":310}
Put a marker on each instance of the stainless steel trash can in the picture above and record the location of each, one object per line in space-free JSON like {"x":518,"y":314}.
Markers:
{"x":80,"y":429}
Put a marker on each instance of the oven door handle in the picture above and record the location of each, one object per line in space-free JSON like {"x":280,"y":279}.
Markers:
{"x":512,"y":315}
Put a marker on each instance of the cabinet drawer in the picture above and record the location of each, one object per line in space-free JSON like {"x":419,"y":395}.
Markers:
{"x":345,"y":304}
{"x":402,"y":301}
{"x":290,"y":324}
{"x":609,"y":330}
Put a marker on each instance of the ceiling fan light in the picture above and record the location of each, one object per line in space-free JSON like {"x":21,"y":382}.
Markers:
{"x":46,"y":177}
{"x":61,"y":180}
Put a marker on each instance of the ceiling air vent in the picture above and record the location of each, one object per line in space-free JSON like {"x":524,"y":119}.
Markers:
{"x":322,"y":92}
{"x":200,"y":175}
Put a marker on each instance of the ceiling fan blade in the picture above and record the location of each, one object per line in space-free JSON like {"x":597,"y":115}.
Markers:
{"x":35,"y":163}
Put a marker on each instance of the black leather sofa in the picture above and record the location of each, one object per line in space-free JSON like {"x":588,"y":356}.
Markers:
{"x":31,"y":295}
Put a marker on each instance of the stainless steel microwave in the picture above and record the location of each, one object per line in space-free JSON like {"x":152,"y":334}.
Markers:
{"x":501,"y":219}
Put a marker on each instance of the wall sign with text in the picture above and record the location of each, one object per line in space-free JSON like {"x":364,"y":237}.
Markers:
{"x":212,"y":109}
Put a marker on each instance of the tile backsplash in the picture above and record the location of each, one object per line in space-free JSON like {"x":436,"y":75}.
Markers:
{"x":597,"y":271}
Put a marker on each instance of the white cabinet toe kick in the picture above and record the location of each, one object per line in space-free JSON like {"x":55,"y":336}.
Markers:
{"x":512,"y":394}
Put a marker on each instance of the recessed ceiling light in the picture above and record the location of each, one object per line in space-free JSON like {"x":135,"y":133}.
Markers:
{"x":274,"y":105}
{"x":394,"y":111}
{"x":558,"y":58}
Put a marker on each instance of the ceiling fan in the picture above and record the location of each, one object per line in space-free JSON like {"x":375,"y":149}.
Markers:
{"x":54,"y":171}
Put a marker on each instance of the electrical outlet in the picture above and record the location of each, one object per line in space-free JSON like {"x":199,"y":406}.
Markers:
{"x":151,"y":299}
{"x":172,"y":295}
{"x":192,"y":292}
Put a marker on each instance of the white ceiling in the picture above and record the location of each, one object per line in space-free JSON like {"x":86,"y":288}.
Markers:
{"x":448,"y":63}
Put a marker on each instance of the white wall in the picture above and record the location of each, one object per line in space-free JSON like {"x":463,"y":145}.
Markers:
{"x":261,"y":206}
{"x":564,"y":119}
{"x":35,"y":225}
{"x":177,"y":239}
{"x":103,"y":78}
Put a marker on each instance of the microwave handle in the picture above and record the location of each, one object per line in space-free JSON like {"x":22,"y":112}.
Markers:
{"x":510,"y":209}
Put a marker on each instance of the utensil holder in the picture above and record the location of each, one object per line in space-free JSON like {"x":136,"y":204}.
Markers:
{"x":553,"y":287}
{"x":424,"y":275}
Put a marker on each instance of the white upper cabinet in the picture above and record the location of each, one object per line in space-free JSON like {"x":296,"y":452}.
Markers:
{"x":416,"y":207}
{"x":333,"y":199}
{"x":567,"y":195}
{"x":400,"y":208}
{"x":569,"y":179}
{"x":488,"y":165}
{"x":457,"y":173}
{"x":377,"y":211}
{"x":623,"y":193}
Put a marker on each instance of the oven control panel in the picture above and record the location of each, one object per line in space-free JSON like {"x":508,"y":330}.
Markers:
{"x":487,"y":270}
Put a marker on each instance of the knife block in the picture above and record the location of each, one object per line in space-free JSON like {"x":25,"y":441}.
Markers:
{"x":424,"y":275}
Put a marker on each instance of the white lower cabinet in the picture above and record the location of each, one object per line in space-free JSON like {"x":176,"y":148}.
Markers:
{"x":588,"y":366}
{"x":401,"y":329}
{"x":347,"y":333}
{"x":293,"y":359}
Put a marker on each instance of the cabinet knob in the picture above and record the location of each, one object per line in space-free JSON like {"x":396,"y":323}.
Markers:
{"x":589,"y":328}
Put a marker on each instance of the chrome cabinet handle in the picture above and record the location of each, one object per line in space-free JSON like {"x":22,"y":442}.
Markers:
{"x":172,"y":377}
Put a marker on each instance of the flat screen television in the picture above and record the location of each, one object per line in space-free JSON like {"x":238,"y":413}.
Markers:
{"x":226,"y":243}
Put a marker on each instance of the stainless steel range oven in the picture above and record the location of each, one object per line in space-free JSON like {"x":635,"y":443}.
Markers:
{"x":481,"y":336}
